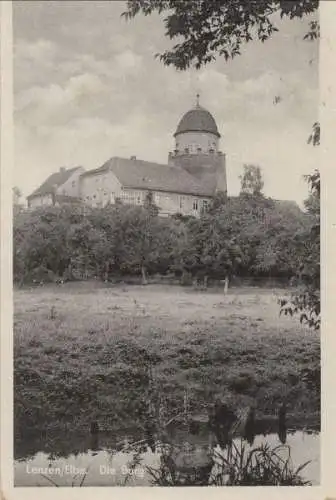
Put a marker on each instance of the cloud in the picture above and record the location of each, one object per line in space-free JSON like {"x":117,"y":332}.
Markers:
{"x":88,"y":88}
{"x":128,"y":60}
{"x":37,"y":51}
{"x":91,"y":119}
{"x":57,"y":105}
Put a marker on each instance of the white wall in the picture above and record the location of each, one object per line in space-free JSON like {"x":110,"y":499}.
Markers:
{"x":100,"y":188}
{"x":172,"y":203}
{"x":195,"y":140}
{"x":71,"y":187}
{"x":40,"y":200}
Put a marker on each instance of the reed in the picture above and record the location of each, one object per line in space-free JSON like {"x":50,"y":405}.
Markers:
{"x":236,"y":465}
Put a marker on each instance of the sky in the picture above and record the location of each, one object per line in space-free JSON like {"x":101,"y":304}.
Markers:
{"x":87,"y":87}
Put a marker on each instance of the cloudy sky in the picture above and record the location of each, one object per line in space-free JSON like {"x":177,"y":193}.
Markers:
{"x":87,"y":87}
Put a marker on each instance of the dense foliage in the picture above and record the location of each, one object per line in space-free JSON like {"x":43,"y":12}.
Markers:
{"x":307,"y":302}
{"x":251,"y":180}
{"x":206,"y":29}
{"x":249,"y":235}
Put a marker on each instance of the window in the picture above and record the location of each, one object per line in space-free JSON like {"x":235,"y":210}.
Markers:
{"x":94,"y":196}
{"x":181,"y":201}
{"x":205,"y":204}
{"x":129,"y":196}
{"x":195,"y":205}
{"x":73,"y":184}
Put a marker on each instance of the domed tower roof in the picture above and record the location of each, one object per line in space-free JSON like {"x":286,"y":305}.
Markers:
{"x":197,"y":119}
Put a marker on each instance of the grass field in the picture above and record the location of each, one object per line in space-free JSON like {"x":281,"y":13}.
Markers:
{"x":81,"y":352}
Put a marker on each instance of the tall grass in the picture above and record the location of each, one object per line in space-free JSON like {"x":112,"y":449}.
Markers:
{"x":236,"y":465}
{"x":259,"y":466}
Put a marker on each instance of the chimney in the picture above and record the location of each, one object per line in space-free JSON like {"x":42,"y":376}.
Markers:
{"x":133,"y":157}
{"x":62,"y":170}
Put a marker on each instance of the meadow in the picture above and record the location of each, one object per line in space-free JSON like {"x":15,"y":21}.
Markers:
{"x":87,"y":352}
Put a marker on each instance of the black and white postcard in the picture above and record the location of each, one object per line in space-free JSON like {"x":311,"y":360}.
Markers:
{"x":165,"y":226}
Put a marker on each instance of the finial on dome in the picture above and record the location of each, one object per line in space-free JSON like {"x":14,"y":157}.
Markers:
{"x":197,"y":100}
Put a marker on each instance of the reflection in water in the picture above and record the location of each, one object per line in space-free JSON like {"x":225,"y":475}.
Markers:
{"x":109,"y":467}
{"x":282,"y":432}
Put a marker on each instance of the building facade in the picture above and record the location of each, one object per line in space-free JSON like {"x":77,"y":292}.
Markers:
{"x":194,"y":173}
{"x":61,"y":187}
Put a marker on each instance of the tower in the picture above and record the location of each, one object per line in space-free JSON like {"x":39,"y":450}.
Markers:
{"x":197,"y":147}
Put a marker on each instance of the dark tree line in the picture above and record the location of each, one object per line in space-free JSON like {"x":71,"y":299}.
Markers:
{"x":249,"y":235}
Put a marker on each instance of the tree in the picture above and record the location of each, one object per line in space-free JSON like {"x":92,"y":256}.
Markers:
{"x":307,"y":302}
{"x":251,"y":180}
{"x":142,"y":241}
{"x":17,"y":195}
{"x":315,"y":135}
{"x":279,"y":253}
{"x":206,"y":29}
{"x":312,"y":204}
{"x":218,"y":201}
{"x":224,"y":240}
{"x":40,"y":243}
{"x":150,"y":206}
{"x":267,"y":233}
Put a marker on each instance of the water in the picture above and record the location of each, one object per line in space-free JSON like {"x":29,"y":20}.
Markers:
{"x":106,"y":467}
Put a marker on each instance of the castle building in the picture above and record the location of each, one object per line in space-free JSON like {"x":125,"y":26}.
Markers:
{"x":194,"y":173}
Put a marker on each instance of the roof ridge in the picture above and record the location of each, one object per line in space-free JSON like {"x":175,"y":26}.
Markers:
{"x":55,"y":179}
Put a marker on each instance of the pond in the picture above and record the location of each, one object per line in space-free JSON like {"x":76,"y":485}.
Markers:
{"x":106,"y":465}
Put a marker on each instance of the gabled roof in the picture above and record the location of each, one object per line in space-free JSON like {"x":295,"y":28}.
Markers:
{"x":139,"y":174}
{"x":53,"y":181}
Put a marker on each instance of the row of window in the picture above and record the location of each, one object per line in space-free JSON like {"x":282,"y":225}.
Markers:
{"x":200,"y":204}
{"x":132,"y":197}
{"x":188,"y":149}
{"x":136,"y":198}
